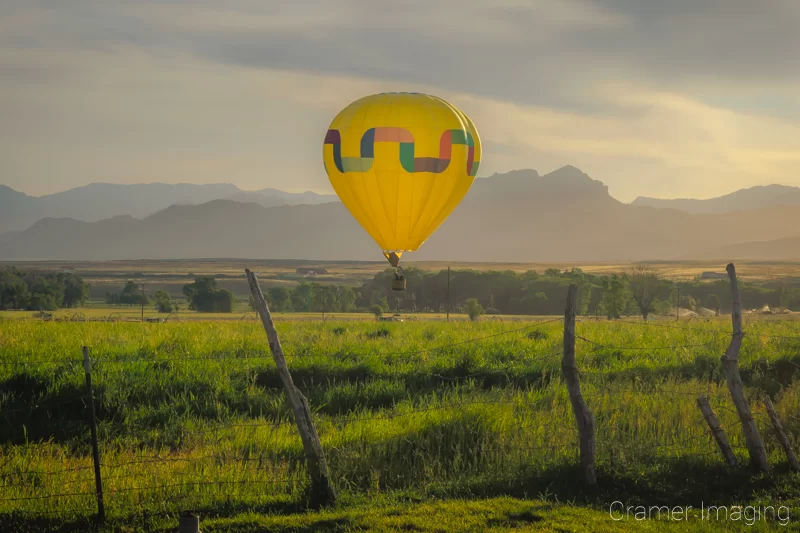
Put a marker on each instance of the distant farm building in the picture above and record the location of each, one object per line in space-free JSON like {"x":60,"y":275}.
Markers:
{"x":713,"y":275}
{"x":311,"y":272}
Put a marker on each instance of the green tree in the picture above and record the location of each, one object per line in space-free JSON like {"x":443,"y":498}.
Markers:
{"x":223,"y":301}
{"x":132,"y":294}
{"x":645,"y":287}
{"x":280,"y":299}
{"x":326,"y":298}
{"x":584,"y":297}
{"x":46,"y":293}
{"x":688,"y":302}
{"x":41,"y":291}
{"x":347,"y":299}
{"x":474,"y":309}
{"x":376,"y":310}
{"x":13,"y":291}
{"x":203,"y":295}
{"x":163,"y":302}
{"x":712,"y":302}
{"x":614,"y":296}
{"x":662,"y":307}
{"x":380,"y":300}
{"x":76,"y":291}
{"x":303,"y":297}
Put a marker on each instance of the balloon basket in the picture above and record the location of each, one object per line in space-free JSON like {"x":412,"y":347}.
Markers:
{"x":399,"y":284}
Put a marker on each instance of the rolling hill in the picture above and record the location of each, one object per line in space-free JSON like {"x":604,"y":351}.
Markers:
{"x":741,"y":200}
{"x":519,"y":216}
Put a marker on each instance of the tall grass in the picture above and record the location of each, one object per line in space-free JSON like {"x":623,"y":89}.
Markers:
{"x":192,"y":415}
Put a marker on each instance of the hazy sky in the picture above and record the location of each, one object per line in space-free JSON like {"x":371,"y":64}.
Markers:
{"x":662,"y":98}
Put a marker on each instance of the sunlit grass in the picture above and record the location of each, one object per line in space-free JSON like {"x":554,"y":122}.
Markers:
{"x":192,"y":415}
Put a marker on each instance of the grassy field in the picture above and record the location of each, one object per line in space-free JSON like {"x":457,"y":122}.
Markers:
{"x":428,"y":426}
{"x":243,"y":313}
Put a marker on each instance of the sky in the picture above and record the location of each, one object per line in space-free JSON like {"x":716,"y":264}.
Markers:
{"x":679,"y":98}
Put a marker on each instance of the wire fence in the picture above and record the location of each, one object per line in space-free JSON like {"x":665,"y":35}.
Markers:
{"x":496,"y":432}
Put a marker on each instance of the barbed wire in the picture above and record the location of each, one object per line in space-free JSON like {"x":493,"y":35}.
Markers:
{"x":659,"y":325}
{"x":144,"y":489}
{"x":226,"y":357}
{"x":640,"y":348}
{"x":25,"y":473}
{"x":547,"y":430}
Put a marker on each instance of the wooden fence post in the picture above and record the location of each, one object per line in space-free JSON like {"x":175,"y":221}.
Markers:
{"x":323,"y":491}
{"x":784,"y":440}
{"x":730,"y":366}
{"x":189,"y":523}
{"x":581,"y":411}
{"x":98,"y":480}
{"x":716,"y":430}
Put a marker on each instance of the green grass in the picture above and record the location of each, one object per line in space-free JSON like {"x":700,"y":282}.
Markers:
{"x":502,"y":514}
{"x":97,"y":311}
{"x":409,"y":413}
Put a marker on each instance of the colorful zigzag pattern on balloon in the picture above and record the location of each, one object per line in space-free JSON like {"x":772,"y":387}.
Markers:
{"x":407,"y":159}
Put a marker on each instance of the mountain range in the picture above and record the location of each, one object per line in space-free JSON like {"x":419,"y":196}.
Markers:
{"x":519,"y":216}
{"x":741,"y":200}
{"x":99,"y":201}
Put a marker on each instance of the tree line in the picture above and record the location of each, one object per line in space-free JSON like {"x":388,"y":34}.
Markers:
{"x":41,"y":291}
{"x":312,"y":297}
{"x":638,"y":291}
{"x":202,"y":295}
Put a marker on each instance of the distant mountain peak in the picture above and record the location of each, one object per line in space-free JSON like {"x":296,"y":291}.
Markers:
{"x":6,"y":190}
{"x":569,"y":169}
{"x":573,"y":180}
{"x":528,"y":173}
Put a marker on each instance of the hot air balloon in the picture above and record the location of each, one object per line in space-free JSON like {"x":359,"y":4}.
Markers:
{"x":401,"y":163}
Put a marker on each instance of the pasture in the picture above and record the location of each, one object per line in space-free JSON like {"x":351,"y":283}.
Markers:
{"x":171,"y":275}
{"x":427,"y":426}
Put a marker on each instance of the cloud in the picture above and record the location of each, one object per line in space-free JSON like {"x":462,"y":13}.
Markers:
{"x":683,"y":98}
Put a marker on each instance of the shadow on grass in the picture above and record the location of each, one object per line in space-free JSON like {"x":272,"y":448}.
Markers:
{"x":671,"y":486}
{"x":49,"y":407}
{"x":679,"y":482}
{"x":15,"y":522}
{"x":26,"y":524}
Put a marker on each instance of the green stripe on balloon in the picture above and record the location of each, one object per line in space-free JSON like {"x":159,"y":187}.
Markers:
{"x":407,"y":156}
{"x":407,"y":160}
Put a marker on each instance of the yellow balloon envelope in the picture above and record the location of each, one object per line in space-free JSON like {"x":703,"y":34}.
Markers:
{"x":400,"y":163}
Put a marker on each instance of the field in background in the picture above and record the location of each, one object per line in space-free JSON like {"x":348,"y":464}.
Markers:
{"x":242,"y":313}
{"x":192,"y":417}
{"x":172,"y":275}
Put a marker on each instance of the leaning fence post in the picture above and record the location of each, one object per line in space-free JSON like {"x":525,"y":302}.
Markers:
{"x":716,"y":430}
{"x":98,"y":481}
{"x":323,"y":492}
{"x":784,"y":440}
{"x":730,"y":366}
{"x":581,"y":411}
